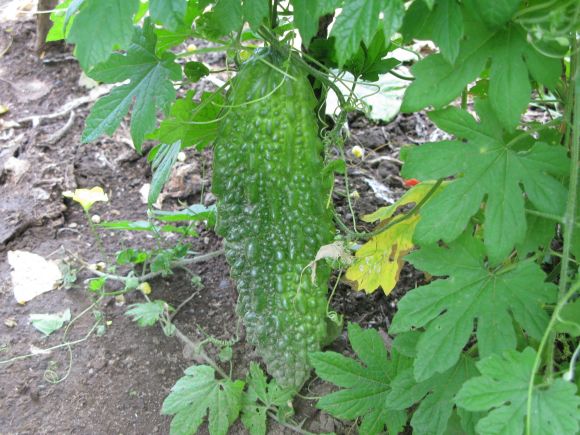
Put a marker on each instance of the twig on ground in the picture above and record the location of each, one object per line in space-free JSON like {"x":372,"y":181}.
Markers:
{"x":182,"y":304}
{"x":57,"y":135}
{"x":5,"y":49}
{"x":382,"y":158}
{"x":93,"y":95}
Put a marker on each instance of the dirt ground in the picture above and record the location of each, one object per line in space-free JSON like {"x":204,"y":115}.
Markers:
{"x":116,"y":383}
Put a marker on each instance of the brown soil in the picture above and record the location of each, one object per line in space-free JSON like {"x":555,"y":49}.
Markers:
{"x":116,"y":383}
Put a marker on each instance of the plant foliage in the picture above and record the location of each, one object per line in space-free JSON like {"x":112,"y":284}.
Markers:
{"x":489,"y":342}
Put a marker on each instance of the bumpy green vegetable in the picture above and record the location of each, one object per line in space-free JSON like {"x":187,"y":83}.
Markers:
{"x":272,"y":195}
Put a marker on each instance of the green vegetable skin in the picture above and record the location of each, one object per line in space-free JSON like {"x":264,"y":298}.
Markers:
{"x":272,"y":209}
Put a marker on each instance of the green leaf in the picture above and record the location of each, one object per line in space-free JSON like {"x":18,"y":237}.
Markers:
{"x":150,"y":88}
{"x":101,"y":26}
{"x":147,"y":313}
{"x":131,"y":255}
{"x":569,"y":319}
{"x":261,"y":397}
{"x":162,"y":165}
{"x":194,"y":71}
{"x":448,"y":308}
{"x":393,"y":13}
{"x":199,"y":393}
{"x":446,"y":23}
{"x":170,"y":38}
{"x":492,"y":169}
{"x":434,"y":395}
{"x":366,"y":389}
{"x":195,"y":212}
{"x":497,"y":13}
{"x":48,"y":323}
{"x":97,"y":284}
{"x":192,"y":123}
{"x":170,"y":13}
{"x":509,"y":84}
{"x":503,"y":389}
{"x":255,"y":12}
{"x":59,"y":29}
{"x":228,"y":16}
{"x":539,"y":233}
{"x":545,"y":70}
{"x":443,"y":24}
{"x":307,"y":14}
{"x":357,"y":22}
{"x":368,"y":63}
{"x":437,"y":82}
{"x":415,"y":22}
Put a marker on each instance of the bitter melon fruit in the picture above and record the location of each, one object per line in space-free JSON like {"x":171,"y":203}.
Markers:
{"x":272,"y":210}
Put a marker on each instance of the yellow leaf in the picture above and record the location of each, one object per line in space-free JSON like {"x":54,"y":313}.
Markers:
{"x":414,"y":195}
{"x":379,"y":262}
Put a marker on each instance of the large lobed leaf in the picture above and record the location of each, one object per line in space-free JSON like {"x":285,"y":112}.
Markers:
{"x":199,"y":393}
{"x":149,"y":88}
{"x":99,"y":27}
{"x":365,"y":389}
{"x":442,"y":77}
{"x":170,"y":13}
{"x":489,"y":168}
{"x":449,"y":308}
{"x":261,"y":397}
{"x":503,"y":391}
{"x":434,"y":396}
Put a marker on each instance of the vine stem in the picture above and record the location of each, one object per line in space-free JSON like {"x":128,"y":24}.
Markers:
{"x":561,"y":303}
{"x":570,"y":216}
{"x":151,"y":275}
{"x":288,"y":425}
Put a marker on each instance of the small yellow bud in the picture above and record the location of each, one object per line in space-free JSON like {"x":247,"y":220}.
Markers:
{"x":145,"y":287}
{"x":355,"y":195}
{"x":100,"y":266}
{"x":245,"y":55}
{"x":358,"y":152}
{"x":191,"y":47}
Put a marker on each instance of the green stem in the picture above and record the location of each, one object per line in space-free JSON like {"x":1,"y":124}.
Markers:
{"x":570,"y":215}
{"x":58,"y":346}
{"x":551,"y":217}
{"x":202,"y":51}
{"x":96,"y":236}
{"x":400,"y":76}
{"x":561,"y":303}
